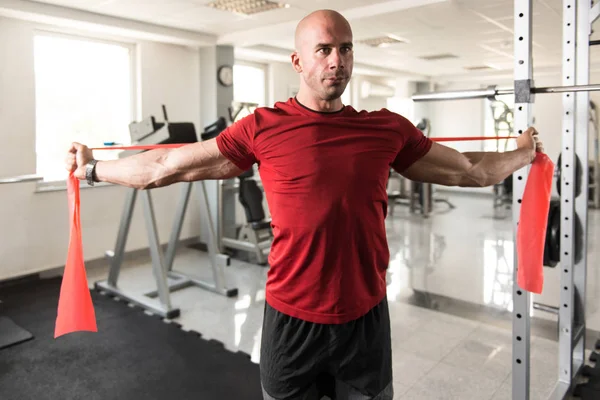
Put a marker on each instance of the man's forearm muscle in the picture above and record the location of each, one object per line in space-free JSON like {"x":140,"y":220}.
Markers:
{"x":162,"y":167}
{"x":446,"y":166}
{"x":490,"y":168}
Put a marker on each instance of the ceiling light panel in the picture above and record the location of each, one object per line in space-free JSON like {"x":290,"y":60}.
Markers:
{"x":382,"y":41}
{"x":247,"y":7}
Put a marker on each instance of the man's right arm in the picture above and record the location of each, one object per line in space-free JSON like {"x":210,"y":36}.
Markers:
{"x":157,"y":168}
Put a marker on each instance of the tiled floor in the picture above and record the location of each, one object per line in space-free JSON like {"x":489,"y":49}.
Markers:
{"x":464,"y":255}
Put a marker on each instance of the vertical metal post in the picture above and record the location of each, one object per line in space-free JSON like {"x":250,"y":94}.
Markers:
{"x":221,"y":231}
{"x":184,"y":198}
{"x":426,"y":206}
{"x":116,"y":257}
{"x":523,"y":118}
{"x":158,"y":260}
{"x":584,"y":31}
{"x":568,"y":164}
{"x":212,"y":240}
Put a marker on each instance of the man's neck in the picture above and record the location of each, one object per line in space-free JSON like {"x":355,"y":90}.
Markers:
{"x":318,"y":104}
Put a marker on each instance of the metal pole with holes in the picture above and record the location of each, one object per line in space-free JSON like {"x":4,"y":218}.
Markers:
{"x":584,"y":31}
{"x":567,"y":210}
{"x":523,"y":115}
{"x":577,"y":20}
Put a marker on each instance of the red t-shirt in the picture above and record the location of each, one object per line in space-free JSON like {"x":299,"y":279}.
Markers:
{"x":324,"y":177}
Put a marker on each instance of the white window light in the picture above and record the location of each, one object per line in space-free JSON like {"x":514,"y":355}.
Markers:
{"x":249,"y":85}
{"x":84,"y":92}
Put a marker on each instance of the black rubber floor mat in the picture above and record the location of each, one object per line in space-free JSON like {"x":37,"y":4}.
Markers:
{"x":133,"y":355}
{"x":12,"y":334}
{"x":590,"y":390}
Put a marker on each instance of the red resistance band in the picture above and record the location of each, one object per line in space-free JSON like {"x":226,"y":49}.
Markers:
{"x":176,"y":145}
{"x":76,"y":311}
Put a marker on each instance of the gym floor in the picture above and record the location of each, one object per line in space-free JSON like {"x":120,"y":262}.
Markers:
{"x":449,"y":286}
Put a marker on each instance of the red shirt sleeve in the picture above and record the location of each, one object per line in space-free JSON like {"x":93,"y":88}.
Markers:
{"x":236,"y":142}
{"x":416,"y":145}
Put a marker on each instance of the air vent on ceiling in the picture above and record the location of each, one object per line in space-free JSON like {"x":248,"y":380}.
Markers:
{"x":246,"y":7}
{"x":436,"y":57}
{"x":477,"y":67}
{"x":383,"y":41}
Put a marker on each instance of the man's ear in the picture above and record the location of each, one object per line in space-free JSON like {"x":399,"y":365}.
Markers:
{"x":296,"y":62}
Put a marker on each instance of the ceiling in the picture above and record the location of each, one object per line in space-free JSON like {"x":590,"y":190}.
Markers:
{"x":477,"y":34}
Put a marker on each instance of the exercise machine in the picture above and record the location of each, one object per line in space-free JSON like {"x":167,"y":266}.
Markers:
{"x":399,"y":195}
{"x":503,"y":117}
{"x":12,"y":334}
{"x":148,"y":131}
{"x":255,"y":235}
{"x":418,"y":196}
{"x":578,"y":17}
{"x":240,"y":109}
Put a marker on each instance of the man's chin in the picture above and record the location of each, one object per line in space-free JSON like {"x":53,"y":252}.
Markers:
{"x":332,"y":95}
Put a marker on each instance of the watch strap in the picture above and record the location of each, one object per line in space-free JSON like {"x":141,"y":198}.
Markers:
{"x":90,"y":172}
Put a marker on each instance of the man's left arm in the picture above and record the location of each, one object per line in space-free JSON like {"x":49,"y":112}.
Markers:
{"x":443,"y":165}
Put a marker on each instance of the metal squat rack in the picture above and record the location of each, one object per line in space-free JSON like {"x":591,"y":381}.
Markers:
{"x":578,"y":16}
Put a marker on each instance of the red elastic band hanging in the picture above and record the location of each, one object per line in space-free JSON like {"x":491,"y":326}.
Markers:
{"x":533,"y":222}
{"x":75,"y":308}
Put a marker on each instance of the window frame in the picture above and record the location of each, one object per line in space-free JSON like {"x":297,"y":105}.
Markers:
{"x":131,"y":46}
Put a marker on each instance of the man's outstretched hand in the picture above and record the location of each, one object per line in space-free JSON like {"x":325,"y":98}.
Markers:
{"x":77,"y":158}
{"x":530,"y":140}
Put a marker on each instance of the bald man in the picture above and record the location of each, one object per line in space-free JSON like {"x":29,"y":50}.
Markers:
{"x":324,"y":167}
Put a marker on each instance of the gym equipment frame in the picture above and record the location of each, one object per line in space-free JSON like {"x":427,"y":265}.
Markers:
{"x":167,"y":280}
{"x":578,"y":16}
{"x":252,"y":241}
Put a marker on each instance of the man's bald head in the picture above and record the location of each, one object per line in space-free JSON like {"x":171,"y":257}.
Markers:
{"x":319,"y":20}
{"x":324,"y":58}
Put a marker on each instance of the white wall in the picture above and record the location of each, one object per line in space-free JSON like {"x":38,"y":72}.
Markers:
{"x":170,"y":75}
{"x":281,"y":78}
{"x":34,"y":225}
{"x":456,"y":119}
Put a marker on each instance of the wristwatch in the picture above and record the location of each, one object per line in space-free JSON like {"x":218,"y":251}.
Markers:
{"x":90,"y":172}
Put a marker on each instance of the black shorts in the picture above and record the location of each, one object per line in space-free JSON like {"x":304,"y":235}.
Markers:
{"x":304,"y":360}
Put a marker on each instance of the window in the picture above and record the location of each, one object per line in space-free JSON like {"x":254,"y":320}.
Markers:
{"x":249,"y":88}
{"x":84,"y":93}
